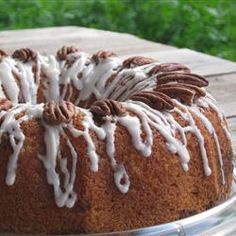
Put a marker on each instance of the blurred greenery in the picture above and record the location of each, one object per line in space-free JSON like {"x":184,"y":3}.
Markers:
{"x":204,"y":25}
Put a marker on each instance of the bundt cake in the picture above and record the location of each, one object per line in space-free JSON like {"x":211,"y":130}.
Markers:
{"x":94,"y":144}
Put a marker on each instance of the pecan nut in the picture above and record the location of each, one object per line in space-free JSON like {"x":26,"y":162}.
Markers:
{"x":168,"y":67}
{"x":185,"y":78}
{"x":2,"y":54}
{"x":154,"y":99}
{"x":5,"y":104}
{"x":184,"y":92}
{"x":137,"y":61}
{"x":64,"y":51}
{"x":107,"y":107}
{"x":102,"y":55}
{"x":24,"y":55}
{"x":55,"y":114}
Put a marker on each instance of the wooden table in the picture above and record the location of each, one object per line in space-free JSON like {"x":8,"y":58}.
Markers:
{"x":221,"y":73}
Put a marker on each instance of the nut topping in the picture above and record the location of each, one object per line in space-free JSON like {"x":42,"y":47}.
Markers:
{"x":2,"y":54}
{"x":185,"y":78}
{"x":184,"y":94}
{"x":155,"y":100}
{"x":137,"y":61}
{"x":5,"y":104}
{"x":55,"y":114}
{"x":168,"y":67}
{"x":102,"y":55}
{"x":107,"y":107}
{"x":64,"y":51}
{"x":24,"y":55}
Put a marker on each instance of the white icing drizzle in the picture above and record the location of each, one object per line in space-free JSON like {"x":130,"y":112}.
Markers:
{"x":53,"y":153}
{"x":69,"y":75}
{"x":11,"y":127}
{"x":82,"y":73}
{"x":8,"y":81}
{"x":159,"y":121}
{"x":90,"y":79}
{"x":95,"y":78}
{"x":119,"y":170}
{"x":88,"y":124}
{"x":28,"y":85}
{"x":210,"y":101}
{"x":133,"y":125}
{"x":51,"y":68}
{"x":135,"y":80}
{"x":106,"y":131}
{"x":208,"y":125}
{"x":16,"y":140}
{"x":194,"y":129}
{"x":142,"y":118}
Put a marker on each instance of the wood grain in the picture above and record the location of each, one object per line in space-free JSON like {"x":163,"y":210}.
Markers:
{"x":48,"y":40}
{"x":223,"y":88}
{"x":232,"y":128}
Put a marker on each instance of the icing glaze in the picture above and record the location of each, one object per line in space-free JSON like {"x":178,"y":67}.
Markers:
{"x":106,"y":79}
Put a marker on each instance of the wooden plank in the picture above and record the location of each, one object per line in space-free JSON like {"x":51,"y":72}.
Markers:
{"x":223,"y":88}
{"x":232,"y":128}
{"x":232,"y":125}
{"x":48,"y":40}
{"x":90,"y":40}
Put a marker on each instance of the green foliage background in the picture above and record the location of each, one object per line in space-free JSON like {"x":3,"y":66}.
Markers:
{"x":204,"y":25}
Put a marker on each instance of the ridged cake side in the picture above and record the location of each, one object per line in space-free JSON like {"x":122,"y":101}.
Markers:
{"x":151,"y":147}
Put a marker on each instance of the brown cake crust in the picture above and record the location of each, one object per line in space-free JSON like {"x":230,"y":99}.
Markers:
{"x":160,"y":190}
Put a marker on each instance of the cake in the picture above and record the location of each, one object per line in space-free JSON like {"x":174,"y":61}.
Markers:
{"x":93,"y":144}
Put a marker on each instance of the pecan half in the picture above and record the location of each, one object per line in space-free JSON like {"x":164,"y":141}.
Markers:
{"x":183,"y":93}
{"x":154,"y":99}
{"x":199,"y":92}
{"x":185,"y":78}
{"x":64,"y":51}
{"x":107,"y":107}
{"x":168,"y":67}
{"x":2,"y":54}
{"x":24,"y":54}
{"x":102,"y":55}
{"x":5,"y":104}
{"x":137,"y":61}
{"x":55,"y":114}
